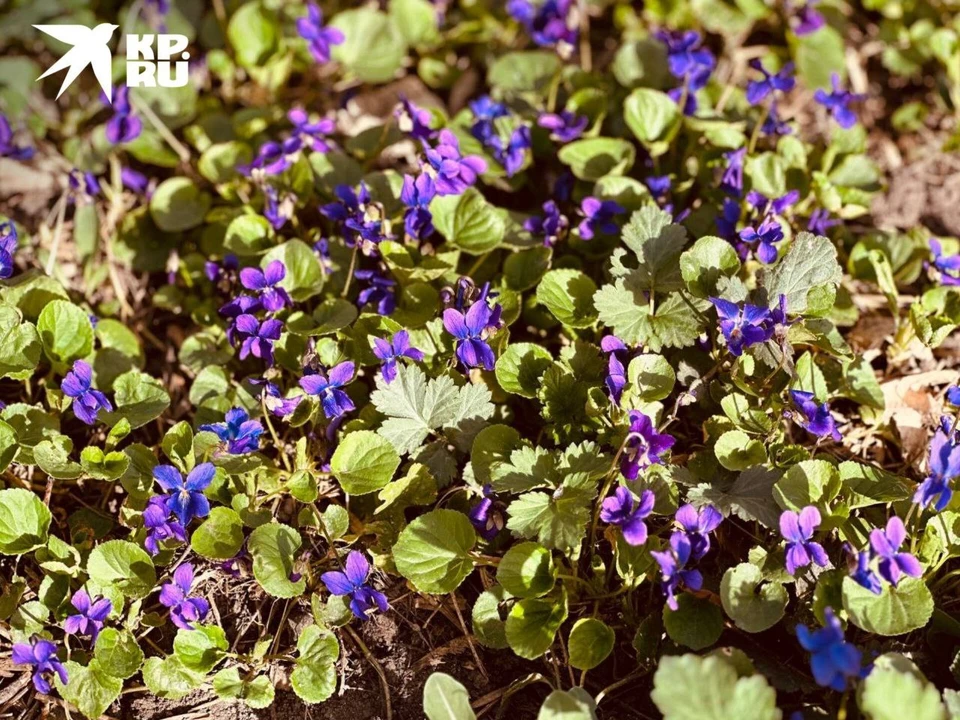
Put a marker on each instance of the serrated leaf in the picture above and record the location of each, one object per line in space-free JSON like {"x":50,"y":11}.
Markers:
{"x":657,"y":243}
{"x":810,"y":264}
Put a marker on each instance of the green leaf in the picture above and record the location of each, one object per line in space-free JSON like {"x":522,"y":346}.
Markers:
{"x":178,"y":204}
{"x":89,"y":688}
{"x":590,"y":643}
{"x":433,"y":552}
{"x":31,"y":292}
{"x":754,"y":605}
{"x":417,"y":20}
{"x":257,"y":693}
{"x":533,"y":624}
{"x":568,"y":294}
{"x":488,"y":626}
{"x":702,"y":266}
{"x":526,"y":570}
{"x":573,"y":704}
{"x":520,"y":368}
{"x":865,"y":485}
{"x":304,"y":277}
{"x":891,"y":695}
{"x":445,"y":698}
{"x":138,"y":398}
{"x":202,"y":648}
{"x":469,"y":222}
{"x":811,"y":482}
{"x":527,"y":71}
{"x":809,"y":265}
{"x":653,"y":117}
{"x":364,"y":30}
{"x":738,"y":451}
{"x":248,"y":235}
{"x":253,"y":33}
{"x":557,"y":520}
{"x":124,"y":565}
{"x":593,"y":158}
{"x":21,"y":345}
{"x":750,"y":497}
{"x":818,"y":55}
{"x":219,"y":162}
{"x":273,"y":547}
{"x":694,"y":688}
{"x":314,"y":676}
{"x":658,"y":243}
{"x":103,"y":466}
{"x":65,"y":331}
{"x":523,"y":270}
{"x":651,"y":377}
{"x":492,"y":445}
{"x":220,"y":536}
{"x":9,"y":445}
{"x":53,"y":457}
{"x":168,"y":677}
{"x":364,"y":462}
{"x":118,"y":653}
{"x":24,"y":522}
{"x":895,"y":611}
{"x":677,"y":321}
{"x":696,"y":623}
{"x":331,"y":315}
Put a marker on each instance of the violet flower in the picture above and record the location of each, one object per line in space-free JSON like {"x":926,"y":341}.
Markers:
{"x":42,"y":656}
{"x":944,"y":466}
{"x":418,"y":120}
{"x":952,"y":395}
{"x":352,"y":212}
{"x":762,"y":240}
{"x":798,"y":530}
{"x":820,"y":222}
{"x":551,"y":226}
{"x":728,"y":218}
{"x":947,"y":265}
{"x":485,"y":112}
{"x":774,"y":125}
{"x":416,"y":195}
{"x":513,"y":155}
{"x":311,"y":134}
{"x":274,"y":400}
{"x":8,"y":148}
{"x":175,"y":595}
{"x":454,"y":173}
{"x":673,"y":570}
{"x":697,"y":525}
{"x":807,"y":19}
{"x":156,"y":520}
{"x":886,"y":544}
{"x":816,"y":418}
{"x":772,"y":206}
{"x":471,"y":330}
{"x":257,"y":338}
{"x":616,"y":378}
{"x":135,"y":181}
{"x":389,"y":351}
{"x":87,"y":402}
{"x":276,"y":212}
{"x":84,"y":185}
{"x":742,"y":327}
{"x":272,"y":158}
{"x":619,"y":509}
{"x":689,"y":62}
{"x":89,"y":617}
{"x":781,"y":81}
{"x":486,"y":517}
{"x":125,"y":125}
{"x":545,"y":22}
{"x":186,"y":499}
{"x":266,"y":283}
{"x":319,"y":38}
{"x":380,"y":290}
{"x":858,"y":567}
{"x":238,"y":431}
{"x":9,"y":239}
{"x":328,"y":387}
{"x":565,"y":126}
{"x":837,"y":102}
{"x":598,"y":217}
{"x":643,"y":447}
{"x":833,"y":660}
{"x":354,"y":583}
{"x":732,"y":179}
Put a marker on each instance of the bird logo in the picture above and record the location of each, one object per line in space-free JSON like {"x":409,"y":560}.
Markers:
{"x":89,"y":48}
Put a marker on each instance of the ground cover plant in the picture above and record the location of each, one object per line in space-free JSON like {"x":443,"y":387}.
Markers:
{"x":467,"y":358}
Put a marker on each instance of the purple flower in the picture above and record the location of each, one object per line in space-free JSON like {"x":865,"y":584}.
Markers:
{"x":886,"y":544}
{"x":485,"y":112}
{"x":8,"y":148}
{"x":327,"y":386}
{"x":311,"y":134}
{"x":817,"y":419}
{"x":643,"y":446}
{"x":659,"y":185}
{"x":274,"y":400}
{"x":380,"y":290}
{"x":598,"y":217}
{"x":732,"y":179}
{"x":685,"y":55}
{"x":87,"y":402}
{"x":782,"y":81}
{"x":485,"y":516}
{"x":545,"y":22}
{"x":616,"y":378}
{"x":952,"y":395}
{"x":454,"y":173}
{"x":470,"y":330}
{"x":257,"y":338}
{"x":156,"y":520}
{"x":820,"y":222}
{"x":773,"y":124}
{"x":238,"y":431}
{"x":90,"y":616}
{"x":42,"y":656}
{"x":417,"y":118}
{"x":135,"y":181}
{"x":837,"y":102}
{"x":416,"y":195}
{"x":175,"y":595}
{"x":807,"y":19}
{"x":390,"y":351}
{"x":697,"y":525}
{"x":276,"y":212}
{"x":267,"y":284}
{"x":944,"y":467}
{"x":776,"y":206}
{"x":798,"y":530}
{"x":84,"y":184}
{"x":351,"y":212}
{"x":728,"y":218}
{"x":564,"y":127}
{"x":124,"y":126}
{"x":949,"y":266}
{"x":762,"y":240}
{"x":186,"y":499}
{"x":513,"y":155}
{"x":8,"y":247}
{"x":352,"y":582}
{"x":272,"y":158}
{"x":551,"y":225}
{"x":858,"y":566}
{"x":319,"y":38}
{"x":742,"y":327}
{"x":832,"y":659}
{"x":673,"y":569}
{"x":619,"y":509}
